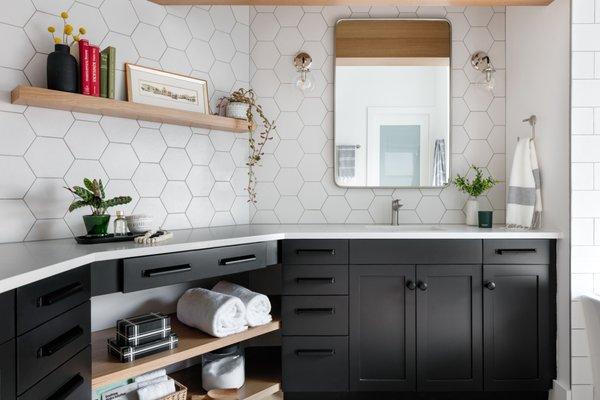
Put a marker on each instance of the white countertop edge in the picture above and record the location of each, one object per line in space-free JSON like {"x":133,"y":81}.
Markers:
{"x":280,"y":233}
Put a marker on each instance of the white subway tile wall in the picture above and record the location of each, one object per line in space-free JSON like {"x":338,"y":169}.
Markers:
{"x":296,"y":184}
{"x":585,"y":175}
{"x":185,"y":177}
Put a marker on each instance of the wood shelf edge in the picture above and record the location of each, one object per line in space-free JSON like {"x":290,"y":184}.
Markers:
{"x":46,"y":98}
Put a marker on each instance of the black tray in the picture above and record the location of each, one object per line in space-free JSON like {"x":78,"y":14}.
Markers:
{"x":88,"y":239}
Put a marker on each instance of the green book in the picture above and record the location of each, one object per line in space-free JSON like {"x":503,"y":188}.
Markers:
{"x":104,"y":73}
{"x":111,"y":55}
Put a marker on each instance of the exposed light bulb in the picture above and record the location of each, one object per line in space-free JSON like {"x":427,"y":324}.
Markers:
{"x":490,"y":81}
{"x":305,"y":81}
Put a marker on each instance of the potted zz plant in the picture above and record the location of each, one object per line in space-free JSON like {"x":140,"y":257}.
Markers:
{"x":93,"y":195}
{"x":475,"y":188}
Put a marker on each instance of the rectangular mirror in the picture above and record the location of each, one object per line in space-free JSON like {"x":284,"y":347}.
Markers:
{"x":392,"y":103}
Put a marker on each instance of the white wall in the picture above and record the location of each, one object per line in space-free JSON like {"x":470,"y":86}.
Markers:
{"x":537,"y":82}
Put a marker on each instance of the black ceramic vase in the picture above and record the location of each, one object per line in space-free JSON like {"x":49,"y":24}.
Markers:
{"x":62,"y":70}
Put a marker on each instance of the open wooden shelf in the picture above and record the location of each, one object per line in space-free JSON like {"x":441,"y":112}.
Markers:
{"x":40,"y":97}
{"x":106,"y":369}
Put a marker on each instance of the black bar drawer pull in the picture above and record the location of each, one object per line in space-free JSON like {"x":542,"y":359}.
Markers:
{"x":67,"y":389}
{"x":237,"y":260}
{"x":176,"y":269}
{"x":315,"y":353}
{"x":330,"y":280}
{"x":312,"y":252}
{"x":322,"y":310}
{"x":60,"y":294}
{"x":56,"y":344}
{"x":518,"y":251}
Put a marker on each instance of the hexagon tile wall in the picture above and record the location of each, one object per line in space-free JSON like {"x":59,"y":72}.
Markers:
{"x":296,"y":185}
{"x":183,"y":177}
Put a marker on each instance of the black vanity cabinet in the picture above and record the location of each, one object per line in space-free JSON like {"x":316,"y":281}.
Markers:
{"x":7,"y":346}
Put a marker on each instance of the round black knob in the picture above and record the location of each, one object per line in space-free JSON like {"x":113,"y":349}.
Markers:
{"x":422,"y":285}
{"x":490,"y":285}
{"x":411,"y":285}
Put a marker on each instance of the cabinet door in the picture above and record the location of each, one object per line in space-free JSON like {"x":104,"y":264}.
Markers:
{"x":449,"y":349}
{"x":517,"y":327}
{"x":382,"y":327}
{"x":8,"y":377}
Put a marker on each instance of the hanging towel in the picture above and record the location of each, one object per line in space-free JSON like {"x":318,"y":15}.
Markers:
{"x":214,"y":313}
{"x":346,"y":160}
{"x":157,"y":391}
{"x":439,"y":163}
{"x":524,"y":206}
{"x":258,"y":306}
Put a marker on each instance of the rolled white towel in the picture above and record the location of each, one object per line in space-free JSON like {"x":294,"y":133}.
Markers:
{"x":214,"y":313}
{"x":154,"y":381}
{"x":157,"y":391}
{"x":148,"y":376}
{"x":258,"y":306}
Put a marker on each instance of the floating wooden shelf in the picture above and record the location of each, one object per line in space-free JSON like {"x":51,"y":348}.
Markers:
{"x":358,"y":2}
{"x":40,"y":97}
{"x":192,"y":343}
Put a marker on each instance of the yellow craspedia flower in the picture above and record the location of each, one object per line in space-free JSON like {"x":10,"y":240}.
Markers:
{"x":64,"y":15}
{"x":76,"y":38}
{"x":82,"y":30}
{"x":51,"y":29}
{"x":57,"y":40}
{"x":68,"y":29}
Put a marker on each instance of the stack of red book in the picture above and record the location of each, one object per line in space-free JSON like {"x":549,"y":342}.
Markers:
{"x":89,"y":62}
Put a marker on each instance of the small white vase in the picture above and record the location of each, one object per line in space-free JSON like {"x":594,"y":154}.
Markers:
{"x":236,"y":110}
{"x":472,"y":211}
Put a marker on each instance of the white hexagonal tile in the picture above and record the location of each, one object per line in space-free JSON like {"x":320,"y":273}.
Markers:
{"x":17,"y":220}
{"x":317,"y":53}
{"x":52,"y":6}
{"x":497,"y":111}
{"x":289,"y":210}
{"x":149,"y":41}
{"x":153,"y":207}
{"x":453,"y":217}
{"x":477,"y":39}
{"x":312,"y":139}
{"x":176,"y":164}
{"x":200,"y":149}
{"x":497,"y":196}
{"x":359,"y":217}
{"x":176,"y":61}
{"x":200,"y":23}
{"x":497,"y":54}
{"x":222,"y":46}
{"x":479,"y":16}
{"x":200,"y":55}
{"x":289,"y":125}
{"x":180,"y":11}
{"x":91,"y":18}
{"x":431,"y":12}
{"x":239,"y":181}
{"x":409,"y":198}
{"x":176,"y":135}
{"x":288,"y":153}
{"x":265,"y":26}
{"x":222,"y":196}
{"x":200,"y":212}
{"x":176,"y":197}
{"x":223,"y":18}
{"x":149,"y":180}
{"x":222,"y":166}
{"x":119,"y":161}
{"x":149,"y":12}
{"x":17,"y":49}
{"x":497,"y":26}
{"x":239,"y":65}
{"x":499,"y":89}
{"x":176,"y":221}
{"x":459,"y":139}
{"x":265,"y":82}
{"x":383,"y":12}
{"x":222,"y":76}
{"x":460,"y":25}
{"x":149,"y":145}
{"x":200,"y":180}
{"x":268,"y":168}
{"x":15,"y":177}
{"x":86,"y":140}
{"x":497,"y":139}
{"x":460,"y":83}
{"x":222,"y":218}
{"x":288,"y":181}
{"x":47,"y":229}
{"x":430,"y":210}
{"x":460,"y":55}
{"x":10,"y":143}
{"x":312,"y":26}
{"x":9,"y":78}
{"x":497,"y":167}
{"x":37,"y":31}
{"x":459,"y":164}
{"x":49,"y":122}
{"x":222,"y":141}
{"x":312,"y":111}
{"x":119,"y":15}
{"x":335,"y":13}
{"x":288,"y":15}
{"x":283,"y":70}
{"x":312,"y":195}
{"x":265,"y":55}
{"x":19,"y":14}
{"x":478,"y":98}
{"x":48,"y":157}
{"x":478,"y":153}
{"x":312,"y":217}
{"x":91,"y":169}
{"x":453,"y":198}
{"x":239,"y":151}
{"x":48,"y":198}
{"x":240,"y":211}
{"x":127,"y":52}
{"x":478,"y":125}
{"x":267,"y":195}
{"x":120,"y":130}
{"x":240,"y":35}
{"x":460,"y":111}
{"x":330,"y":186}
{"x":359,"y":199}
{"x":289,"y":41}
{"x":335,"y":209}
{"x":176,"y":32}
{"x":312,"y":167}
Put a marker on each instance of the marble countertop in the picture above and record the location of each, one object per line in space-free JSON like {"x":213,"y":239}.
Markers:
{"x":24,"y":263}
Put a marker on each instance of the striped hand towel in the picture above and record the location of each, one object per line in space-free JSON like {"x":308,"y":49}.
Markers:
{"x":524,"y":206}
{"x":346,"y":160}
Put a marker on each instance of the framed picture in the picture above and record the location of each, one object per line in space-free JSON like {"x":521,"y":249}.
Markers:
{"x":166,"y":89}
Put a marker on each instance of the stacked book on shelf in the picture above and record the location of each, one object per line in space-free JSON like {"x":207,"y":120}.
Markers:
{"x":97,"y":70}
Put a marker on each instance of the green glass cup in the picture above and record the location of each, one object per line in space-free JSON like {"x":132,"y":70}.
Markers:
{"x":485,"y":219}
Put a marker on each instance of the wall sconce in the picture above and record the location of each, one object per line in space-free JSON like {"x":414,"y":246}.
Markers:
{"x":302,"y":62}
{"x":482,"y":63}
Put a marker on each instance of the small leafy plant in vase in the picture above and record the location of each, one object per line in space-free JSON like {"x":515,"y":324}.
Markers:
{"x":93,"y":196}
{"x":475,"y":188}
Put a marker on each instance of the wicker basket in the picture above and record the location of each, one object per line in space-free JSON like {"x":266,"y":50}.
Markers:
{"x":180,"y":394}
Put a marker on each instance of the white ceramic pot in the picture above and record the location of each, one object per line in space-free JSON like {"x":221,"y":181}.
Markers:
{"x":472,"y":212}
{"x":236,"y":110}
{"x":139,"y":223}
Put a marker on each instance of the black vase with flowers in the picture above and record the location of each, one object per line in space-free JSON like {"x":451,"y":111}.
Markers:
{"x":62,"y":70}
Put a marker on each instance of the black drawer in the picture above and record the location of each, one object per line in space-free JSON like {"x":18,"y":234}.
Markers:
{"x":8,"y":388}
{"x":315,"y":279}
{"x":314,"y":364}
{"x":418,"y":251}
{"x":167,"y":269}
{"x":517,"y":251}
{"x":43,"y":349}
{"x":72,"y":381}
{"x":314,"y":315}
{"x":315,"y":252}
{"x":40,"y":301}
{"x":7,"y":310}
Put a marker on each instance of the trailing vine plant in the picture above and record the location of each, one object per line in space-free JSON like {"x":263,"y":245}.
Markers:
{"x":256,"y":143}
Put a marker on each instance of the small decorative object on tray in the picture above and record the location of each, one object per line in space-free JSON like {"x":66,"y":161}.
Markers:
{"x":143,"y":329}
{"x":131,"y":353}
{"x":152,"y":237}
{"x":108,"y":238}
{"x":139,"y":223}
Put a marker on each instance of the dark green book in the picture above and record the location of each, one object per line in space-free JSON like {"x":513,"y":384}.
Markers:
{"x":104,"y":73}
{"x":111,"y":53}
